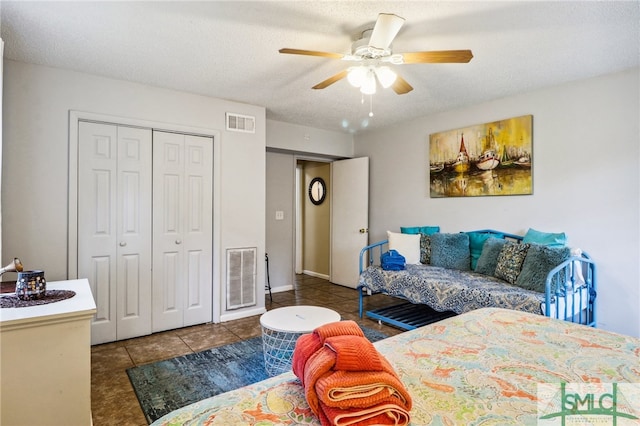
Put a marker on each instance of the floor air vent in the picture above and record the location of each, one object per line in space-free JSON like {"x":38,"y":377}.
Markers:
{"x":241,"y":123}
{"x":241,"y":277}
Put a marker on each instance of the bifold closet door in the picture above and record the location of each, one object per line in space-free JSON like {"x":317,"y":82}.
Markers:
{"x":114,"y":227}
{"x":182,"y":230}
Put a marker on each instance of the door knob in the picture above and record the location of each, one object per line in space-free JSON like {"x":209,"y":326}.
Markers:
{"x":122,"y":243}
{"x":364,"y":230}
{"x":178,"y":241}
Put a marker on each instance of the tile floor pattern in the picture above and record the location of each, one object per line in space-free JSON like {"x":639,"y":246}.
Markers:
{"x":113,"y":401}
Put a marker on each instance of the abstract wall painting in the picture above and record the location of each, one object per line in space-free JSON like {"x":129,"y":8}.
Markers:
{"x":482,"y":160}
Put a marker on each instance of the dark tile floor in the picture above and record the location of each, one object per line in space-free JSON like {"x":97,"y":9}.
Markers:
{"x":113,"y":401}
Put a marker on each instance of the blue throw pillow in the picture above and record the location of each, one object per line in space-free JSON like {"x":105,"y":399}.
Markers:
{"x":476,"y":242}
{"x":450,"y":251}
{"x":539,"y":262}
{"x":545,"y":238}
{"x":489,"y":257}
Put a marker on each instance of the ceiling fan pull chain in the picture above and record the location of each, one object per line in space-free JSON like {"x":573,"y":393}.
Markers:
{"x":370,"y":105}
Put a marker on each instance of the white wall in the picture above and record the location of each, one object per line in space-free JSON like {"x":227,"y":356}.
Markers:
{"x":280,"y":233}
{"x":586,"y":158}
{"x":299,"y":139}
{"x":37,"y":101}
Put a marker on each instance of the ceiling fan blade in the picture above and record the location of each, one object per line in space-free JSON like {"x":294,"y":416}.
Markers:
{"x":385,"y":30}
{"x":311,"y":53}
{"x":400,"y":86}
{"x":331,"y":80}
{"x":437,"y":57}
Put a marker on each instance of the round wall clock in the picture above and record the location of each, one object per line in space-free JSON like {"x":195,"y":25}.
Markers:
{"x":317,"y":190}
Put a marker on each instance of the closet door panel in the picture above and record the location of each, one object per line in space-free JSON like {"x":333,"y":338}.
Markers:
{"x":134,"y":232}
{"x":198,"y":228}
{"x":97,"y":230}
{"x":100,"y":271}
{"x":182,"y":230}
{"x":169,"y":287}
{"x":194,"y":278}
{"x":168,"y":263}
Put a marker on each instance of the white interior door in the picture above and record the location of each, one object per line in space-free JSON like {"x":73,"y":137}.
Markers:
{"x":182,"y":230}
{"x":134,"y":232}
{"x":349,"y":218}
{"x":198,"y":230}
{"x":114,"y":229}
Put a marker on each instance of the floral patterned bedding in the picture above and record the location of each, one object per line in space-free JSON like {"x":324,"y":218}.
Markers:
{"x":450,"y":289}
{"x":481,"y":367}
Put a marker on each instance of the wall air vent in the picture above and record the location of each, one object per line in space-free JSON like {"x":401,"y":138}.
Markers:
{"x":240,"y":123}
{"x":241,"y":277}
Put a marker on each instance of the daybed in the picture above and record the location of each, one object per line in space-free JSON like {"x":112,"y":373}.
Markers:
{"x":488,"y":366}
{"x":457,"y":273}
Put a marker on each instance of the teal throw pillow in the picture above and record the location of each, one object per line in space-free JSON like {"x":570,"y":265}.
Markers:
{"x":545,"y":238}
{"x":409,"y":229}
{"x":539,"y":262}
{"x":450,"y":251}
{"x":489,"y":257}
{"x":510,"y":261}
{"x":476,"y":243}
{"x":427,"y":230}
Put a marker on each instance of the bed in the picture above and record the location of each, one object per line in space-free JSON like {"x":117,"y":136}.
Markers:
{"x":488,"y":366}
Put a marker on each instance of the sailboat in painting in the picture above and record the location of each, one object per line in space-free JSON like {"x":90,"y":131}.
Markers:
{"x":488,"y":160}
{"x":461,"y":164}
{"x":505,"y":161}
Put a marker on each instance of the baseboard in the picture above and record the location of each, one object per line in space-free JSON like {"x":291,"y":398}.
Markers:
{"x":279,"y":289}
{"x":316,"y":274}
{"x":242,"y":314}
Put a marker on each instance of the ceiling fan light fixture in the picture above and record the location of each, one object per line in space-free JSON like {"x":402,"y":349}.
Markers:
{"x":386,"y":76}
{"x":357,"y":76}
{"x":369,"y":84}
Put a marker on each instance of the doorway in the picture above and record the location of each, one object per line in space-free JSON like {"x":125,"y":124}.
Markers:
{"x":329,"y":235}
{"x":313,"y":221}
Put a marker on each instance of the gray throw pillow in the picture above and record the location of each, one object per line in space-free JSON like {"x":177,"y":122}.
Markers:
{"x":489,"y":257}
{"x":450,"y":251}
{"x":539,"y":262}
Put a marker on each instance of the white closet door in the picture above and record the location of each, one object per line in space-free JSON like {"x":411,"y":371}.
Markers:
{"x":198,"y":231}
{"x":114,"y":231}
{"x":134,"y":232}
{"x":182,"y":230}
{"x":97,"y":239}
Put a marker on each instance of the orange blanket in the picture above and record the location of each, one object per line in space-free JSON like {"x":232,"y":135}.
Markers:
{"x":346,"y":380}
{"x":308,"y":344}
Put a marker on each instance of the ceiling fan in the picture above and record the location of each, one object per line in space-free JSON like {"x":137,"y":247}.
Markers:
{"x":373,"y":52}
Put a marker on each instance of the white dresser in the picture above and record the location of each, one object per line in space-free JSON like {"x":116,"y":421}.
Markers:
{"x":45,"y":360}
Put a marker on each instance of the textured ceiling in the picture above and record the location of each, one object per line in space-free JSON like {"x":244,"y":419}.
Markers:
{"x":229,"y":50}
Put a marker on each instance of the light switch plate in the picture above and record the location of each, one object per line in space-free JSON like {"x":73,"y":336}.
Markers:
{"x":279,"y":215}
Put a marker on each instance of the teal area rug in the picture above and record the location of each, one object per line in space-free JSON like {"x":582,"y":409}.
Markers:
{"x":167,"y":385}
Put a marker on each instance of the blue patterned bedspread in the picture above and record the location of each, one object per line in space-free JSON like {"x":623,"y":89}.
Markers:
{"x":450,"y":290}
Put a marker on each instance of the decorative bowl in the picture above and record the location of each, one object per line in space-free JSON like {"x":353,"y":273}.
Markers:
{"x":31,"y":285}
